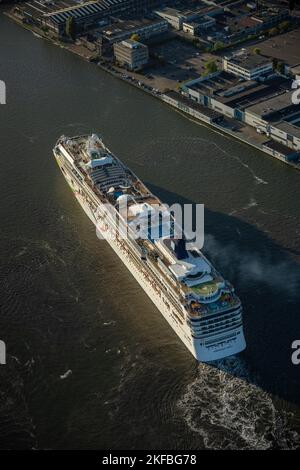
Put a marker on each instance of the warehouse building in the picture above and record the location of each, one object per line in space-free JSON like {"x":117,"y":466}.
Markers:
{"x":226,"y":93}
{"x":278,"y":118}
{"x":266,"y":106}
{"x":88,"y":14}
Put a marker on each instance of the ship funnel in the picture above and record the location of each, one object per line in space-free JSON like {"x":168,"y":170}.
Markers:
{"x":179,"y":247}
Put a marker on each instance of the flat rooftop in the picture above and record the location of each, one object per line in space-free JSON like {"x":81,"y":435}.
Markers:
{"x":192,"y":104}
{"x":113,"y":30}
{"x":170,"y":11}
{"x":221,"y":81}
{"x":272,"y":105}
{"x":238,"y":24}
{"x":131,"y":44}
{"x":268,"y":12}
{"x":259,"y":92}
{"x":278,"y":147}
{"x":248,"y":96}
{"x":284,"y":47}
{"x":289,"y":128}
{"x":201,"y":8}
{"x":248,"y":60}
{"x":236,"y":92}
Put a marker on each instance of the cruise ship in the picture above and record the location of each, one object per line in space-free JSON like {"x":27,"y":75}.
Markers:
{"x":199,"y":304}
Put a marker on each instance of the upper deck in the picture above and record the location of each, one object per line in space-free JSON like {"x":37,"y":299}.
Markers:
{"x":203,"y":288}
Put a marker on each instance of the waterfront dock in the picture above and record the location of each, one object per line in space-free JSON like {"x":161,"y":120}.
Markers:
{"x":200,"y":114}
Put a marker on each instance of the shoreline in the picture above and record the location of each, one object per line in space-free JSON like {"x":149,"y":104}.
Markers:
{"x":160,"y":96}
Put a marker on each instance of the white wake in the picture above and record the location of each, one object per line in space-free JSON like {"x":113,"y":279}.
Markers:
{"x":229,"y":411}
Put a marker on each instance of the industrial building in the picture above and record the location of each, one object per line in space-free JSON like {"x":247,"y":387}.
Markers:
{"x":267,"y":106}
{"x":284,"y":49}
{"x":195,"y":110}
{"x":277,"y":117}
{"x":248,"y":66}
{"x":131,"y":54}
{"x":228,"y":93}
{"x":88,"y":14}
{"x":201,"y":24}
{"x":176,"y":17}
{"x":144,"y":28}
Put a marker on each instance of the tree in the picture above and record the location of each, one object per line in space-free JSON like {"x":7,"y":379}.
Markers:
{"x":256,"y":50}
{"x":218,"y":45}
{"x":284,"y":25}
{"x":135,"y":37}
{"x":210,"y":67}
{"x":273,"y":31}
{"x":71,"y":27}
{"x":280,"y":68}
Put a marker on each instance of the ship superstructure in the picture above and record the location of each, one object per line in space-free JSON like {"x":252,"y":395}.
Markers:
{"x":198,"y":303}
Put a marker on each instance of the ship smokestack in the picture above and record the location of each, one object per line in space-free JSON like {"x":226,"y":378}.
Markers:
{"x":179,"y":247}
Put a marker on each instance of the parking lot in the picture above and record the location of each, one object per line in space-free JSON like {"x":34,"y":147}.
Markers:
{"x":178,"y":62}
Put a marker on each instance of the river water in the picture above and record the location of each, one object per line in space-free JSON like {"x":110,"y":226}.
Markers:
{"x":67,"y":303}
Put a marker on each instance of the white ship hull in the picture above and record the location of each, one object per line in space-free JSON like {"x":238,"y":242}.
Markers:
{"x":220,"y":346}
